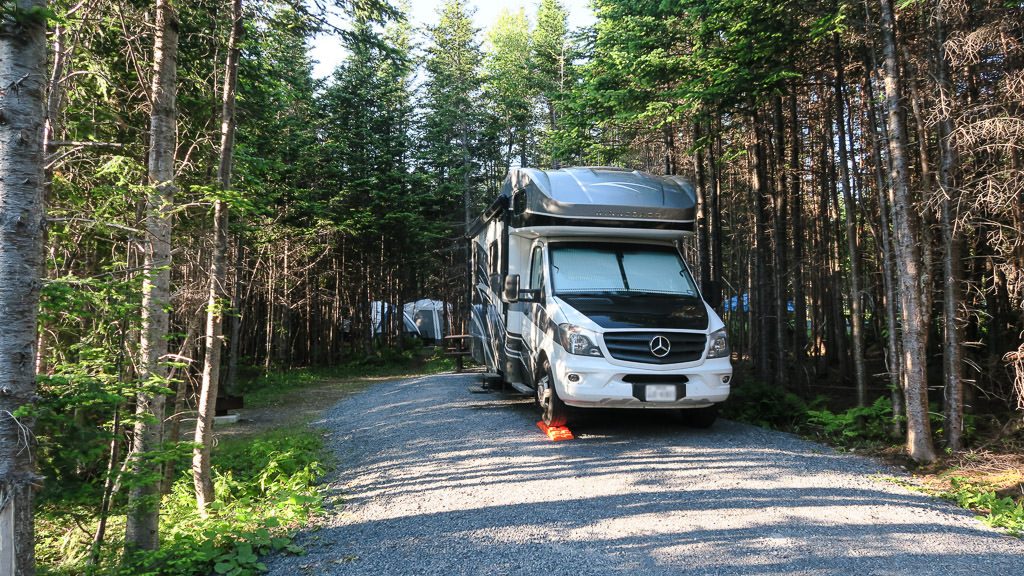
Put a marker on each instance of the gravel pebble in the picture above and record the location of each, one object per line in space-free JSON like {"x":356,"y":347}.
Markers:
{"x":436,"y":480}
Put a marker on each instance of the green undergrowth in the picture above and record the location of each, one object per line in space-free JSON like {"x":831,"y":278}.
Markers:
{"x":994,"y":510}
{"x":265,"y":388}
{"x":266,"y":488}
{"x":775,"y":408}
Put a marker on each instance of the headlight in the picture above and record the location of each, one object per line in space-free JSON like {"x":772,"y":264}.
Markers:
{"x":578,"y":340}
{"x":719,"y":347}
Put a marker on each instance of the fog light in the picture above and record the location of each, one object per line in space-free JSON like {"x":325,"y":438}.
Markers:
{"x":574,"y":378}
{"x":726,"y":378}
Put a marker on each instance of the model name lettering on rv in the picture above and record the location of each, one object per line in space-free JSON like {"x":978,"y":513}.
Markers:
{"x":610,"y":214}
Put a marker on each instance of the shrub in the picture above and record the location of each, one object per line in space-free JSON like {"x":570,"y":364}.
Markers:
{"x":767,"y":406}
{"x":854,"y":427}
{"x":265,"y":487}
{"x":998,"y":512}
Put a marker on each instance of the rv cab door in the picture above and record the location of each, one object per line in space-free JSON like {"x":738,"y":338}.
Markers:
{"x":533,"y":310}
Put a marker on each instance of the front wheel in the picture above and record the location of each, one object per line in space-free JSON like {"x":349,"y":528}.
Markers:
{"x":553,"y":411}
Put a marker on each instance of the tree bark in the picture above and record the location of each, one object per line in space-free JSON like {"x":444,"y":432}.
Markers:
{"x":218,"y":297}
{"x":779,"y":241}
{"x":143,"y":523}
{"x":762,"y":281}
{"x":856,"y":307}
{"x":703,"y":222}
{"x":951,"y":347}
{"x":892,"y":342}
{"x":22,"y":89}
{"x":908,"y":255}
{"x":234,"y":339}
{"x":796,"y":221}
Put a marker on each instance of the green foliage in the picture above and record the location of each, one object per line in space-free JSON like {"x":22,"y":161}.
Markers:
{"x":853,"y":427}
{"x":767,"y":406}
{"x":509,"y":87}
{"x":996,"y":511}
{"x":86,"y":381}
{"x":773,"y":407}
{"x":452,"y":127}
{"x":265,"y":488}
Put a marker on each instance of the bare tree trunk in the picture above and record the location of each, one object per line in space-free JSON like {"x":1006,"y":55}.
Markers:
{"x":234,"y":340}
{"x":22,"y":89}
{"x":143,"y":524}
{"x":797,"y":223}
{"x":908,"y":255}
{"x":54,"y":102}
{"x":716,"y":223}
{"x":762,"y":281}
{"x":951,"y":347}
{"x":779,"y":241}
{"x":856,"y":307}
{"x":703,"y":223}
{"x":218,"y":297}
{"x":892,"y":342}
{"x":172,"y":425}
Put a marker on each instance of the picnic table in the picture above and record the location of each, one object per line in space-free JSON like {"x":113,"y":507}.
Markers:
{"x":457,"y":345}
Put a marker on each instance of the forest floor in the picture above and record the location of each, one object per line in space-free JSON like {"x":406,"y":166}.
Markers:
{"x":293,"y":398}
{"x":292,"y":408}
{"x":999,"y":468}
{"x":436,"y":479}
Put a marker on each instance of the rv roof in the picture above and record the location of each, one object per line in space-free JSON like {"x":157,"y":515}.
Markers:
{"x":607,"y":187}
{"x":591,"y":194}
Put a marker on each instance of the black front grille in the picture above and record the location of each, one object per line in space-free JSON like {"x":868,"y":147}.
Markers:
{"x":636,"y":346}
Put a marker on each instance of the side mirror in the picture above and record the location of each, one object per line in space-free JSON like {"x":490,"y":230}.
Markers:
{"x":511,"y":292}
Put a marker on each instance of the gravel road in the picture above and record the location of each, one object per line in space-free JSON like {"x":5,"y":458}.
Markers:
{"x":436,"y":480}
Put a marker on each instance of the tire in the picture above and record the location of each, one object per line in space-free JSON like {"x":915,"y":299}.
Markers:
{"x":699,"y":417}
{"x":553,"y":411}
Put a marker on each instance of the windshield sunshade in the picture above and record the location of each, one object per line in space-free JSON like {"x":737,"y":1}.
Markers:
{"x":619,"y":268}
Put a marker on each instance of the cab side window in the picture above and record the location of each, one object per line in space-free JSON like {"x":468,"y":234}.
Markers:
{"x":494,"y":278}
{"x":537,"y":268}
{"x":492,"y":259}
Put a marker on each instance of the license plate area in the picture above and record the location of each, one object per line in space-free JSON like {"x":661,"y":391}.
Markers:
{"x":657,"y":388}
{"x":660,"y":393}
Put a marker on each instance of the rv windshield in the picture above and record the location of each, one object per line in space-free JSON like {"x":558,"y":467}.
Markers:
{"x":623,"y":268}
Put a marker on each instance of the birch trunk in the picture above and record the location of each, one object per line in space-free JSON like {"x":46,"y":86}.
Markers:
{"x":22,"y":88}
{"x":908,"y":255}
{"x":892,"y":342}
{"x":142,"y":529}
{"x":218,"y":296}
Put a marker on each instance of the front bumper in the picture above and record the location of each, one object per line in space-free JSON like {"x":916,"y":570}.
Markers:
{"x":601,"y":384}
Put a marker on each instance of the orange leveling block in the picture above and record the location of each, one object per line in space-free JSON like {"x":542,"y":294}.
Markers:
{"x":556,"y":433}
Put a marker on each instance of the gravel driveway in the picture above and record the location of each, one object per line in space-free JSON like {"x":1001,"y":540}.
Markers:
{"x":437,"y":480}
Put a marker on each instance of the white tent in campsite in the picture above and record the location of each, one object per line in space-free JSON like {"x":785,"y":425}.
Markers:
{"x":380,"y":318}
{"x":428,"y":317}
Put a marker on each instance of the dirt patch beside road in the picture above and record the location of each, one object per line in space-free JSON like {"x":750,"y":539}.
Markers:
{"x":297,"y":406}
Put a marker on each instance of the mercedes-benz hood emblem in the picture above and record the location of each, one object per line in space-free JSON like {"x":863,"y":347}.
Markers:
{"x":660,"y":346}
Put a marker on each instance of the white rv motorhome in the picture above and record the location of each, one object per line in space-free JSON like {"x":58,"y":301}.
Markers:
{"x":581,"y":296}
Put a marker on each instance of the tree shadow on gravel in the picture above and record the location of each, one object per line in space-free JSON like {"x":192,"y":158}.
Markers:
{"x":634,"y":494}
{"x":584,"y":537}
